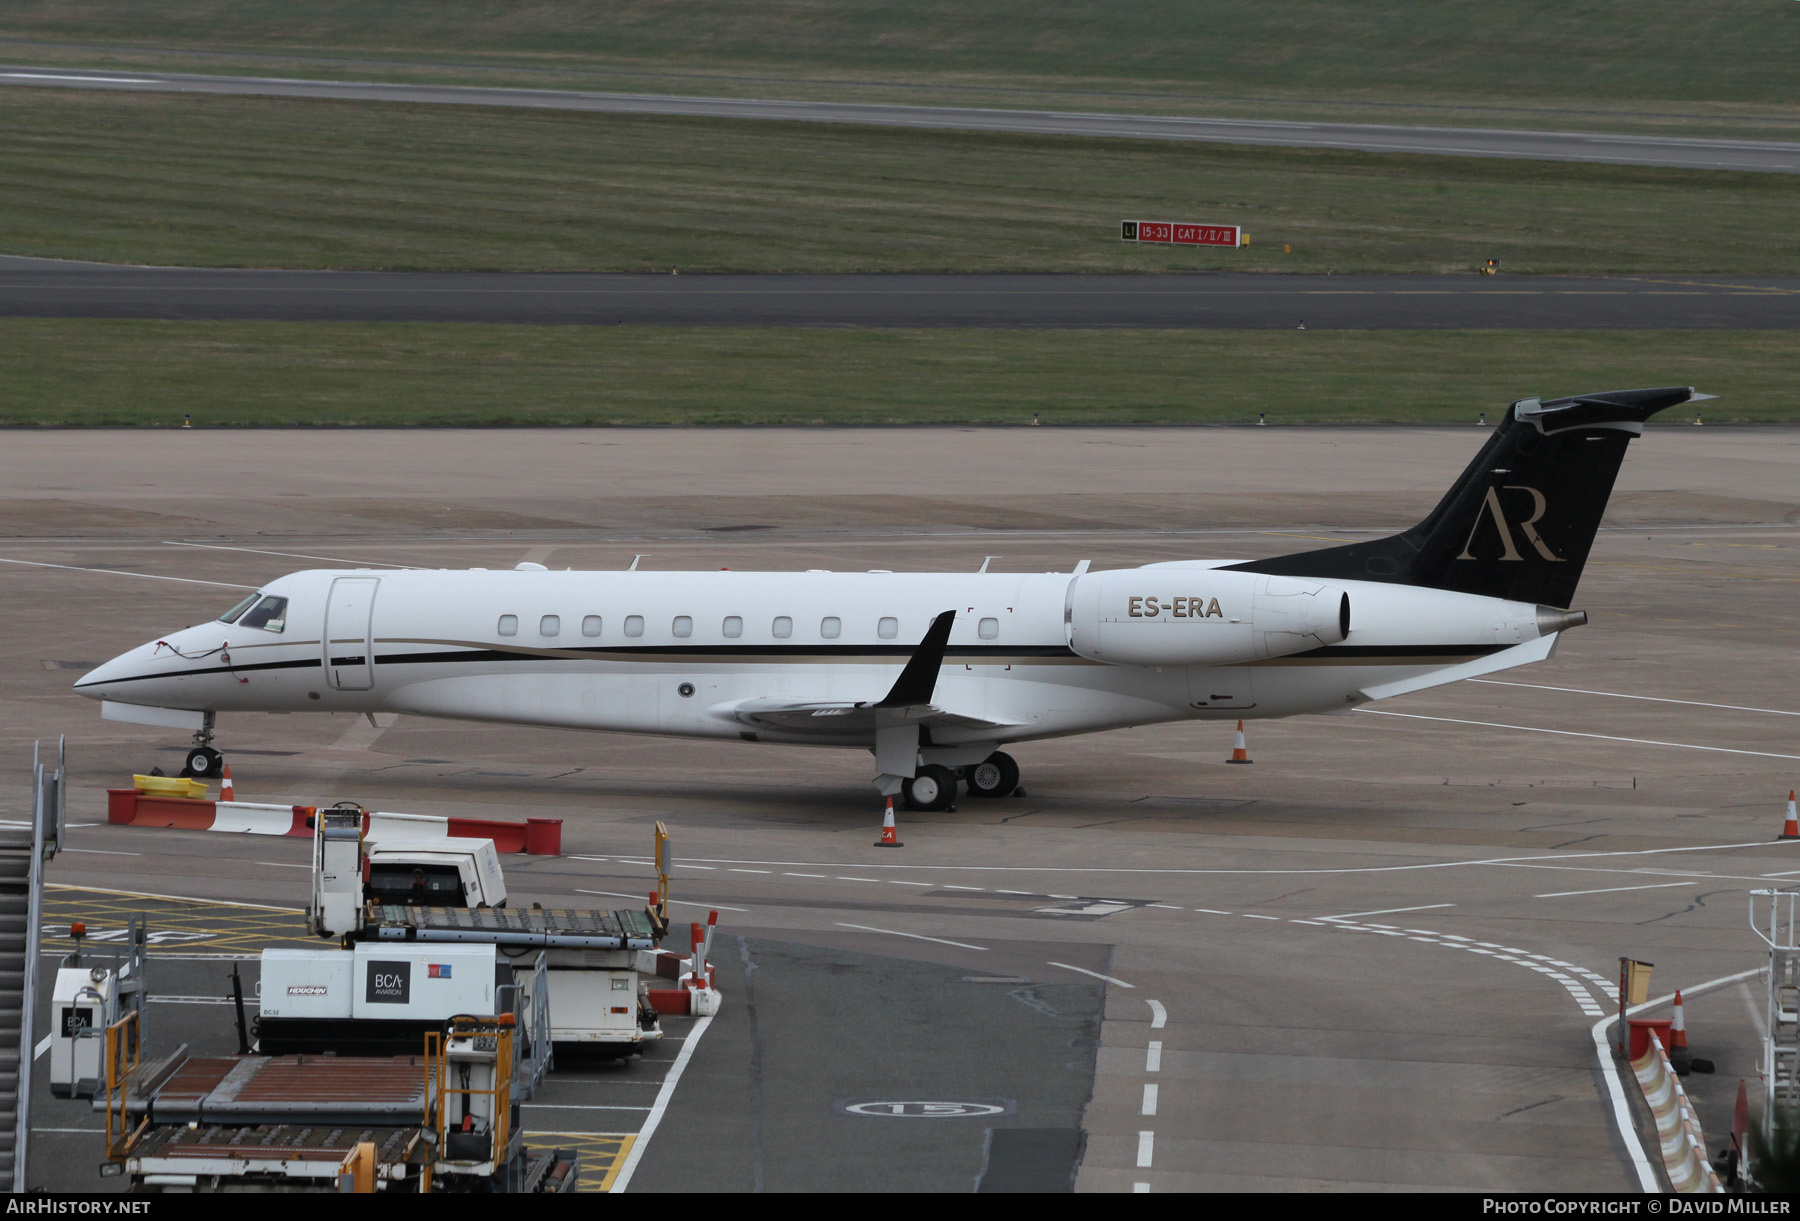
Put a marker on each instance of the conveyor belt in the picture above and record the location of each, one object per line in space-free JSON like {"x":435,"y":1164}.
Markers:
{"x":251,"y":1090}
{"x":540,"y":928}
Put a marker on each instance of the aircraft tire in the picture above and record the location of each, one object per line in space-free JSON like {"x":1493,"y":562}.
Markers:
{"x":203,"y":763}
{"x":934,"y":788}
{"x":995,"y":776}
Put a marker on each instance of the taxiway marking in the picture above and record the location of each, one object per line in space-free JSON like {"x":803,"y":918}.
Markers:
{"x":1620,"y":695}
{"x":1158,"y":1015}
{"x":613,"y":894}
{"x":1570,"y":733}
{"x":1388,"y":911}
{"x":114,"y":572}
{"x":660,"y":1106}
{"x":1084,"y":971}
{"x":1612,"y":890}
{"x":961,"y":945}
{"x":295,"y":555}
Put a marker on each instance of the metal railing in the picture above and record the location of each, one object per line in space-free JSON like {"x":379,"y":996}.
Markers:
{"x":49,"y":810}
{"x":124,"y":1047}
{"x":489,"y":1035}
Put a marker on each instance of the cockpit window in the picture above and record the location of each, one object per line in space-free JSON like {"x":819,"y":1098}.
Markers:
{"x":270,"y":615}
{"x":231,"y":615}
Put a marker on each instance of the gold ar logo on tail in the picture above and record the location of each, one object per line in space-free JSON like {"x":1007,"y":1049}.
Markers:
{"x":1490,"y":507}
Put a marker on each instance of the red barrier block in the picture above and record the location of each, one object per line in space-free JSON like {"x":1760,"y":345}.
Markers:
{"x":1640,"y":1034}
{"x":543,"y":836}
{"x":677,"y":1002}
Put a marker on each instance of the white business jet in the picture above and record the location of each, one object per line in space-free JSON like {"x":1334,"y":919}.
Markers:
{"x":931,"y":672}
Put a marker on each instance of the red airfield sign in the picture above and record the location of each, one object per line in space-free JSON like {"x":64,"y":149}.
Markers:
{"x":1178,"y":234}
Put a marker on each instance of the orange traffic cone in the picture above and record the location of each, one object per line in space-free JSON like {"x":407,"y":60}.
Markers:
{"x":1238,"y":753}
{"x":1792,"y":829}
{"x":226,"y":792}
{"x":890,"y":835}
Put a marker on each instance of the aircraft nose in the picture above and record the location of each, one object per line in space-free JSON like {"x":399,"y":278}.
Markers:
{"x":107,"y":676}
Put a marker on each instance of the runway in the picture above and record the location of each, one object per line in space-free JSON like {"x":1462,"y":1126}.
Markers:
{"x":1761,"y":156}
{"x":1373,"y":960}
{"x":45,"y":288}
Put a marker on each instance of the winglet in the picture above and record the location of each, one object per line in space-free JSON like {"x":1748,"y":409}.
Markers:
{"x":919,"y":679}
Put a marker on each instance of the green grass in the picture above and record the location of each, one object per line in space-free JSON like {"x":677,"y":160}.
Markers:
{"x":220,"y":181}
{"x":91,"y":373}
{"x":1542,"y":59}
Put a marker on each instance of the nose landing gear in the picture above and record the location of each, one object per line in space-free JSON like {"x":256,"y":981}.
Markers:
{"x":203,"y":762}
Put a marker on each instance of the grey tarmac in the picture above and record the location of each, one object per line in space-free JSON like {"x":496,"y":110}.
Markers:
{"x":1376,"y":957}
{"x":1687,"y":152}
{"x":49,"y":288}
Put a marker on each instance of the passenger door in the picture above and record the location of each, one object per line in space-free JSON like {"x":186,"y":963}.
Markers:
{"x":348,"y":639}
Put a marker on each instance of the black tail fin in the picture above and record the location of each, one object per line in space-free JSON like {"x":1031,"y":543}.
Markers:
{"x":1520,"y":521}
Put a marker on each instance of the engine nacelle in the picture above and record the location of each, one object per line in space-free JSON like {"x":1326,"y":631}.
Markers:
{"x":1178,"y":616}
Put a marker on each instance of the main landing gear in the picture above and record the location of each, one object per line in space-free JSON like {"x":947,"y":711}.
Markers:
{"x":203,"y":762}
{"x":934,"y":787}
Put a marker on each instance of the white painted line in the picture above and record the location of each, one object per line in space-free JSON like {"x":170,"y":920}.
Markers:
{"x":1570,"y":733}
{"x":1146,"y":1149}
{"x":613,"y":894}
{"x":1158,"y":1015}
{"x":145,"y":894}
{"x":821,"y":875}
{"x":1314,"y":923}
{"x":900,"y":882}
{"x":1254,"y":916}
{"x":1012,"y":892}
{"x":1175,"y":872}
{"x":279,"y":865}
{"x":294,"y":555}
{"x":42,"y":1047}
{"x":576,"y":1106}
{"x":1149,"y":1107}
{"x":101,"y":852}
{"x":947,"y":885}
{"x":1095,"y":974}
{"x":1388,"y":911}
{"x":1612,"y":890}
{"x":661,"y":1105}
{"x":845,"y":879}
{"x":1153,"y":1056}
{"x":1168,"y":907}
{"x":961,"y":945}
{"x":113,"y":572}
{"x":1212,"y":911}
{"x":1138,"y":1189}
{"x":1786,"y":873}
{"x":602,"y":859}
{"x":713,"y":868}
{"x":749,"y":871}
{"x":1654,"y":699}
{"x":105,"y":80}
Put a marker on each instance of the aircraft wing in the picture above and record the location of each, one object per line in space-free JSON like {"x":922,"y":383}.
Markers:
{"x":909,"y":700}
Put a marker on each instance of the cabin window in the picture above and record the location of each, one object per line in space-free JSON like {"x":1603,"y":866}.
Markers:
{"x":231,"y":615}
{"x":634,"y":625}
{"x":989,"y":629}
{"x":550,"y":625}
{"x":734,"y":626}
{"x":683,"y":627}
{"x":590,"y":625}
{"x":270,"y":615}
{"x":509,"y":625}
{"x":831,"y":627}
{"x":782,"y":628}
{"x":888,"y":628}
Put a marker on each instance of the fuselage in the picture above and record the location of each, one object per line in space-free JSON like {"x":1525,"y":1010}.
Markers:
{"x":696,"y":654}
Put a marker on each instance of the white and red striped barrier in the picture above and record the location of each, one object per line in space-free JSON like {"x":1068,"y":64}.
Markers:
{"x":1683,"y":1145}
{"x":128,"y":807}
